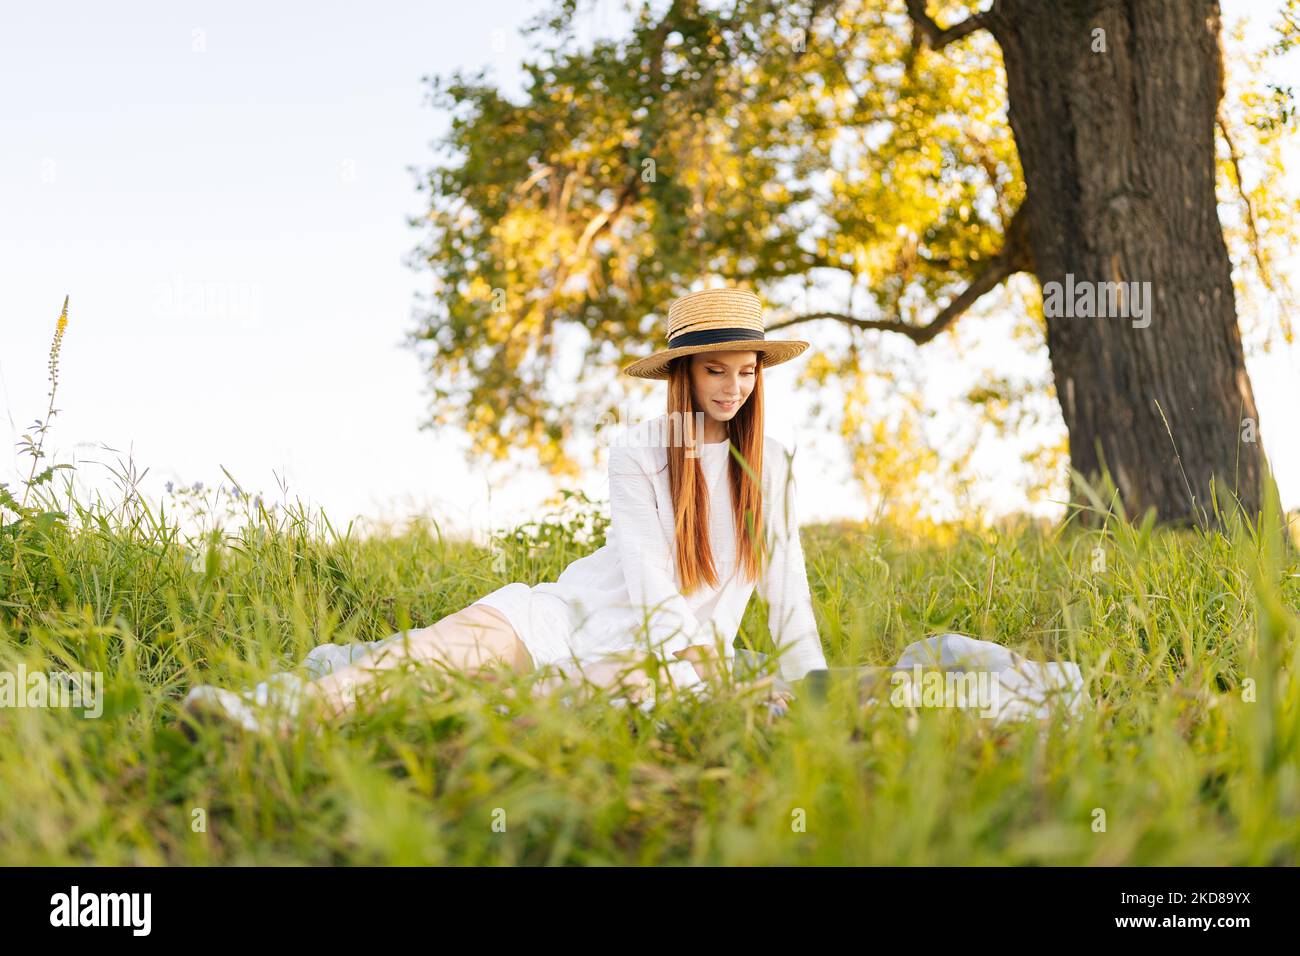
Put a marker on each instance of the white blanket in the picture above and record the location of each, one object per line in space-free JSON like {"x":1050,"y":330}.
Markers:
{"x":1007,"y":685}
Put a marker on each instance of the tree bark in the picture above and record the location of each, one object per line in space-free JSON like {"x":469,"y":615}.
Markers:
{"x":1117,"y":149}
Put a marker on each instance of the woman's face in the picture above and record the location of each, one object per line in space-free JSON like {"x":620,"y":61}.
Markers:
{"x":722,"y":381}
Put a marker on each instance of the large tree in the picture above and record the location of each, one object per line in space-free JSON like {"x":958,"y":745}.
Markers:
{"x":921,"y":154}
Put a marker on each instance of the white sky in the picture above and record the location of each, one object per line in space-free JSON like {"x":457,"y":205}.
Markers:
{"x":222,"y":188}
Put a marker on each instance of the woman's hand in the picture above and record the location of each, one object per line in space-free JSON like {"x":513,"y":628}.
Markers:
{"x":702,"y":657}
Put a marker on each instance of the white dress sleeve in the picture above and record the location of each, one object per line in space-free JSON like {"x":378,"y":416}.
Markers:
{"x":638,"y":537}
{"x":784,"y":583}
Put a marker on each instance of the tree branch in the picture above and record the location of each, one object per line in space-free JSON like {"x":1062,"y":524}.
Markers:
{"x":935,"y":37}
{"x":1256,"y":249}
{"x":1015,"y":256}
{"x":537,"y":174}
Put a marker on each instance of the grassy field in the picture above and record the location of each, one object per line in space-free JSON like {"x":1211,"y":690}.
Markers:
{"x":1187,"y":640}
{"x":1188,"y":756}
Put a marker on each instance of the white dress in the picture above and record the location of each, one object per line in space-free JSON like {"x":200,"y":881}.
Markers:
{"x":627,"y":594}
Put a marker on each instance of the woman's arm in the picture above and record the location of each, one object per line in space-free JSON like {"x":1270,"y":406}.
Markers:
{"x":784,"y":583}
{"x":638,"y":537}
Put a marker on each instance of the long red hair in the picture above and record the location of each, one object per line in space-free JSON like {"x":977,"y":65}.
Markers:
{"x":690,"y":493}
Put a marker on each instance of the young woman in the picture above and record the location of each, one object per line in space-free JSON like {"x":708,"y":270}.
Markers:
{"x":702,"y":513}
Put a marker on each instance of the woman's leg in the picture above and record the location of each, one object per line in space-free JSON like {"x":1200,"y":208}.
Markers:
{"x":472,"y":641}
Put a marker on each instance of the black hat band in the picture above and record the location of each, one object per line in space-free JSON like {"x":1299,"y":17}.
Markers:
{"x":711,"y":336}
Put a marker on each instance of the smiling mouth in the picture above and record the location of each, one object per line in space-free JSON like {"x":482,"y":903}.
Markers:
{"x":726,"y":405}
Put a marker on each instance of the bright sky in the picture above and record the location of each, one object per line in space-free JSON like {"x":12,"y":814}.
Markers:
{"x":223,"y":188}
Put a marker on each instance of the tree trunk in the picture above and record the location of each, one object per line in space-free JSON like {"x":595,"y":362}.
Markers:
{"x":1117,"y":149}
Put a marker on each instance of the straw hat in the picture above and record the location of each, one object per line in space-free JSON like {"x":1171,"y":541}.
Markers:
{"x":715,"y":320}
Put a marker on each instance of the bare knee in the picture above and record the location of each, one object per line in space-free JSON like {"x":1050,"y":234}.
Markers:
{"x":463,"y":641}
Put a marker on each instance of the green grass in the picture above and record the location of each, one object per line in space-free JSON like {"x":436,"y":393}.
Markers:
{"x":1187,"y":640}
{"x":1185,"y":770}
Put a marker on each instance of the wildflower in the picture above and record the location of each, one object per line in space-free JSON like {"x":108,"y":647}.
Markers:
{"x":198,"y":486}
{"x":169,"y":487}
{"x":57,"y":346}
